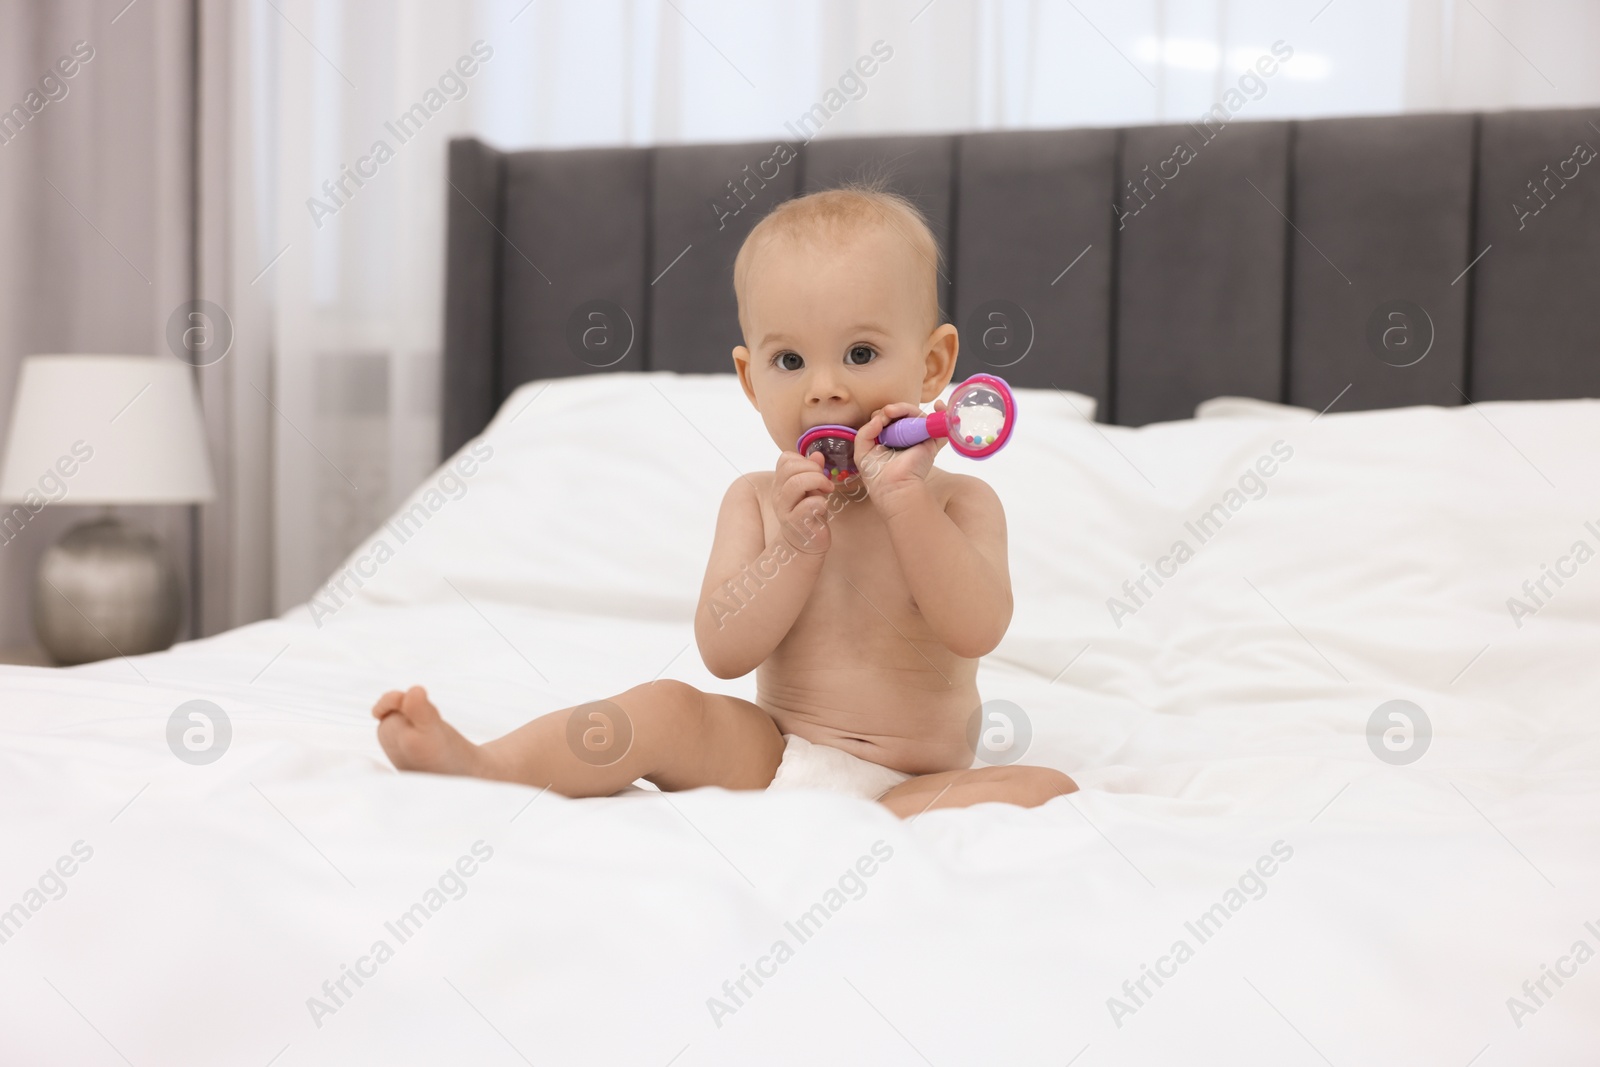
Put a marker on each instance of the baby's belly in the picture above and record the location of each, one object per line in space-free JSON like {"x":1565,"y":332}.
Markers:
{"x":914,"y":720}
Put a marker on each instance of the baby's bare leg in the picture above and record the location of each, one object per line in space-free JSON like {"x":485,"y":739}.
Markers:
{"x":1026,"y":787}
{"x":665,"y":731}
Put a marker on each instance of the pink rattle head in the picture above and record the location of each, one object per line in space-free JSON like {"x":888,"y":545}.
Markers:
{"x":978,"y":422}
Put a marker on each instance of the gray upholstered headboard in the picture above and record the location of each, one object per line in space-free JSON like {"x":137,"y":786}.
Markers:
{"x":1151,"y":267}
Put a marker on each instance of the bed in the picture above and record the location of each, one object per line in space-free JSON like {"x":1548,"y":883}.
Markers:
{"x":1339,"y":778}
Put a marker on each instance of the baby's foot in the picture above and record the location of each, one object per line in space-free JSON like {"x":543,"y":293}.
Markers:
{"x":416,"y":738}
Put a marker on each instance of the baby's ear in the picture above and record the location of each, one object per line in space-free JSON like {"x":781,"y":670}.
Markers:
{"x":741,"y":367}
{"x":943,"y":345}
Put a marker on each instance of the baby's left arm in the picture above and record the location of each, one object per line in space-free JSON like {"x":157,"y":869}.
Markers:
{"x":954,"y":560}
{"x":953,"y":557}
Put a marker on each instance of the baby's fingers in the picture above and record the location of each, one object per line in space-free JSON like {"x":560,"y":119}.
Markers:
{"x":794,"y":465}
{"x":867,"y":435}
{"x":389,"y":702}
{"x":798,"y":486}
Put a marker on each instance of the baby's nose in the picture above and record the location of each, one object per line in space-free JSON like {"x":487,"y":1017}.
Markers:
{"x":826,"y":385}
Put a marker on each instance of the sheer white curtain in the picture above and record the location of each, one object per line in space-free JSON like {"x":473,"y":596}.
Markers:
{"x":351,"y":282}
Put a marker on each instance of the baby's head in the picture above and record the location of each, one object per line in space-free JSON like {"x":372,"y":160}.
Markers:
{"x":839,"y":304}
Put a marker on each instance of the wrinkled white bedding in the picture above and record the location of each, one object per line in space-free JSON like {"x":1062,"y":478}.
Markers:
{"x":1360,"y":911}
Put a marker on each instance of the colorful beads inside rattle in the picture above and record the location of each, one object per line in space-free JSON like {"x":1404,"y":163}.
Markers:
{"x":837,"y":455}
{"x":978,"y":416}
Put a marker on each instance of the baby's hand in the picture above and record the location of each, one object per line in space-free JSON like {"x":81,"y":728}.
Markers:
{"x":889,"y":472}
{"x":799,"y":497}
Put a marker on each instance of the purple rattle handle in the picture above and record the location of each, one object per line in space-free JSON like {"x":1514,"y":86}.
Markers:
{"x":903,"y":433}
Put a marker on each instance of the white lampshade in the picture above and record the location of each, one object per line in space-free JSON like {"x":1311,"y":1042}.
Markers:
{"x":106,"y":430}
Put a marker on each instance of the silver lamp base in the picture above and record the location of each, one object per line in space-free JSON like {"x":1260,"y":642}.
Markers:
{"x":105,"y":589}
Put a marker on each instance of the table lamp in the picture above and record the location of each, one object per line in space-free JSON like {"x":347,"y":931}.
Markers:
{"x":104,"y":430}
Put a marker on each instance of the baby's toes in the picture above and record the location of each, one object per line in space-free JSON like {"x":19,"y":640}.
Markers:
{"x":390,"y":701}
{"x":416,"y":706}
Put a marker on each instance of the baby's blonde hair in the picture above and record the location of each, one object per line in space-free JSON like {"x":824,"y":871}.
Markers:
{"x":839,"y":212}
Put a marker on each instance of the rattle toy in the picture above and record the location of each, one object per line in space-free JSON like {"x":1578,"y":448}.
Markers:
{"x":978,"y":422}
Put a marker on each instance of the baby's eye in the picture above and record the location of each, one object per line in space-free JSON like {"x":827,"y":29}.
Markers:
{"x":860,"y":355}
{"x":783,"y":361}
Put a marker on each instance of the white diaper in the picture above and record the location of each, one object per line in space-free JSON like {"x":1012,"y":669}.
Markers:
{"x":810,"y":766}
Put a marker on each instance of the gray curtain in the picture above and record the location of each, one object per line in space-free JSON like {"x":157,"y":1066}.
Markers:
{"x":112,"y":215}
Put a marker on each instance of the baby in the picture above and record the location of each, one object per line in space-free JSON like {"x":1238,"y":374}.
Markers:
{"x":862,"y":605}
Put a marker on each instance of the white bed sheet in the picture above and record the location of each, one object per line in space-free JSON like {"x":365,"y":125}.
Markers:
{"x":1223,"y":718}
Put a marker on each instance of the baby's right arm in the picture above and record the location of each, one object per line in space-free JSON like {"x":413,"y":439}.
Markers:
{"x":754,"y":588}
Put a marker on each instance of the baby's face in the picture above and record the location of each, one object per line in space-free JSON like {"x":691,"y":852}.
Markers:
{"x":837,"y":331}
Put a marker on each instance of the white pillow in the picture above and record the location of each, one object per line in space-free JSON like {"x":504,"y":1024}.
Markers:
{"x":595,"y":494}
{"x":1397,"y":541}
{"x":1051,"y":404}
{"x":1248,"y":407}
